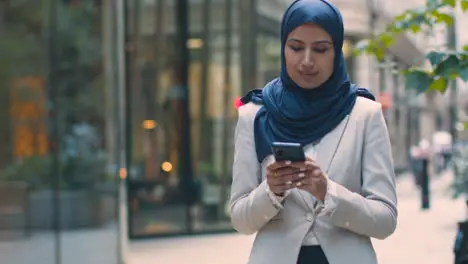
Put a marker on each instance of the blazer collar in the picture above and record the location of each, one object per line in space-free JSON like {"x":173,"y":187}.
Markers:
{"x":329,"y":145}
{"x":326,"y":152}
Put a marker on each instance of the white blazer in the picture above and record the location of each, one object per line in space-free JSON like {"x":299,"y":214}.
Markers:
{"x":357,"y":158}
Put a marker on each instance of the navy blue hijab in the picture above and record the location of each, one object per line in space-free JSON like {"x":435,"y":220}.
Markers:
{"x":291,"y":113}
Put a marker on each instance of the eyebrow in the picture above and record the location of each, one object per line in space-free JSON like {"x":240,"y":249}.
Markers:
{"x":315,"y":42}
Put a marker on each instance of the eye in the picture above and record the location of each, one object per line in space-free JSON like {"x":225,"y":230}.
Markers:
{"x":296,"y":49}
{"x":320,"y":50}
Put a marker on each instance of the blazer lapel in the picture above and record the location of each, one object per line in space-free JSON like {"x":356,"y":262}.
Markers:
{"x":326,"y":151}
{"x":329,"y":145}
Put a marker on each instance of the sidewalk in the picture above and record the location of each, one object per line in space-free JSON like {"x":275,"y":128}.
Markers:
{"x":421,"y":237}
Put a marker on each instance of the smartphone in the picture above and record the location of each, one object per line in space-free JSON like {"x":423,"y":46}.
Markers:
{"x":283,"y":151}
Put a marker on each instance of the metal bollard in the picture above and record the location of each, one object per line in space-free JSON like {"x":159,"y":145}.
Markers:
{"x":425,"y":185}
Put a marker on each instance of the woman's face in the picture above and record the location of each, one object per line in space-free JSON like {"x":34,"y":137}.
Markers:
{"x":309,"y":55}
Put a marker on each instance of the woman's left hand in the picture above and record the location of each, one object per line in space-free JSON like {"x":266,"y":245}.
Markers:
{"x":314,"y":179}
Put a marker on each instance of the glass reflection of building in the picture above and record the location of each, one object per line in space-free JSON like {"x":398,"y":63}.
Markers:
{"x":162,"y":198}
{"x":59,"y":185}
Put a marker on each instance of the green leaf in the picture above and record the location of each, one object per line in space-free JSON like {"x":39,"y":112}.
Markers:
{"x":466,"y":125}
{"x":420,"y":19}
{"x":435,"y":57}
{"x":356,"y":52}
{"x":439,"y":84}
{"x":415,"y":28}
{"x":449,"y":66}
{"x":451,"y":3}
{"x":441,"y":17}
{"x":380,"y":54}
{"x":386,"y":39}
{"x":454,"y":76}
{"x":418,"y":79}
{"x":465,"y":48}
{"x":464,"y":5}
{"x":404,"y":16}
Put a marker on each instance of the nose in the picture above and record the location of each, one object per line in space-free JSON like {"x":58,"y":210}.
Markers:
{"x":308,"y":60}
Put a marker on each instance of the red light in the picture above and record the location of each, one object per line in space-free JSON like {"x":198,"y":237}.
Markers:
{"x":237,"y":102}
{"x":386,"y":100}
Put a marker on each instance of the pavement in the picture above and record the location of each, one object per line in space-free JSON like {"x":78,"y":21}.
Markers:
{"x":90,"y":246}
{"x":421,"y":236}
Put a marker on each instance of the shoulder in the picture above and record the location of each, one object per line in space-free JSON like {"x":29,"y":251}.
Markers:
{"x":366,"y":109}
{"x":248,"y":111}
{"x":245,"y":122}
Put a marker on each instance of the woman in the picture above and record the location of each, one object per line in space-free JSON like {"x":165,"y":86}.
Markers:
{"x":326,"y":209}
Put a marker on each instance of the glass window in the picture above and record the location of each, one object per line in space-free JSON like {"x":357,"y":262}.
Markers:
{"x":214,"y":80}
{"x":86,"y":123}
{"x":24,"y":145}
{"x":58,"y":186}
{"x":155,"y":199}
{"x":269,"y":53}
{"x":163,"y":198}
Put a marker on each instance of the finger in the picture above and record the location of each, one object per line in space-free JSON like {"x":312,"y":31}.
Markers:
{"x":274,"y":181}
{"x":284,"y":171}
{"x":318,"y":181}
{"x":292,"y":178}
{"x":283,"y":180}
{"x":300,"y":181}
{"x":279,"y":173}
{"x":281,"y":188}
{"x":312,"y":166}
{"x":299,"y":165}
{"x":277,"y":165}
{"x":272,"y":175}
{"x":309,"y":159}
{"x":316,"y":173}
{"x":302,"y":184}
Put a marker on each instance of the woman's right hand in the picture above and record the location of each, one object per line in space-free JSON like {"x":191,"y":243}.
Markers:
{"x":281,"y":176}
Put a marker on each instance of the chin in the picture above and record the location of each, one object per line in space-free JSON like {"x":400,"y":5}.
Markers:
{"x":309,"y":86}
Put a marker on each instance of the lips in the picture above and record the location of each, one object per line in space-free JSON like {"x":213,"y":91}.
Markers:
{"x":309,"y":75}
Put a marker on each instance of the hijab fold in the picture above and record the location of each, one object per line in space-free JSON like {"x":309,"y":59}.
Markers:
{"x":291,"y":113}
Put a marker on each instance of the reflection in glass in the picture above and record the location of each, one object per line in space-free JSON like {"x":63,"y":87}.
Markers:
{"x":155,"y":200}
{"x":58,"y":190}
{"x":24,"y":152}
{"x":163,"y":198}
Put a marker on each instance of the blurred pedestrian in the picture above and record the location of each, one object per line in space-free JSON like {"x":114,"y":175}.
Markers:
{"x":416,"y":164}
{"x":326,"y":209}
